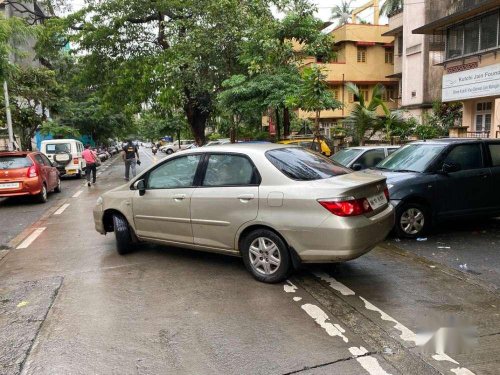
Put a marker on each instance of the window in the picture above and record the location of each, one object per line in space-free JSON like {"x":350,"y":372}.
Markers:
{"x":483,"y":116}
{"x":495,"y":154}
{"x":335,"y":92}
{"x":175,"y":173}
{"x":229,"y":170}
{"x":455,"y":41}
{"x":347,"y":155}
{"x":56,"y":148}
{"x":414,"y":157}
{"x":361,"y":54}
{"x":351,"y":97}
{"x":371,"y":158}
{"x":304,"y":165}
{"x":471,"y":37}
{"x":389,"y":94}
{"x":45,"y":160}
{"x":364,"y":91}
{"x":389,"y":56}
{"x":466,"y":156}
{"x":489,"y":33}
{"x":14,"y":162}
{"x":38,"y":159}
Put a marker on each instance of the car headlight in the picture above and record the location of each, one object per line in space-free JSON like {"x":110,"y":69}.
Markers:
{"x":99,"y":201}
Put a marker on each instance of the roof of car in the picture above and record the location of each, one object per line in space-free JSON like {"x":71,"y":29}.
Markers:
{"x":371,"y":147}
{"x":16,"y":153}
{"x":456,"y":140}
{"x":239,"y":147}
{"x":60,"y":140}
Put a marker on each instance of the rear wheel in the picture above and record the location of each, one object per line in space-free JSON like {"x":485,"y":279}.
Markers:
{"x":412,"y":220}
{"x":170,"y":151}
{"x":58,"y":186}
{"x":122,"y":234}
{"x":42,"y":196}
{"x":266,"y":256}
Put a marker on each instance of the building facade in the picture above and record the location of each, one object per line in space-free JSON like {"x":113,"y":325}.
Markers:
{"x":365,"y":57}
{"x":467,"y":35}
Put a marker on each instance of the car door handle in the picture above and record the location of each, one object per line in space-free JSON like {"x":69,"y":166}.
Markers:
{"x":246,"y":197}
{"x":179,"y":197}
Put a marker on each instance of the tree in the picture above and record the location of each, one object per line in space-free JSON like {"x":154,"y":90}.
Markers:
{"x":391,"y":7}
{"x":313,"y":95}
{"x":175,"y":53}
{"x":363,"y":117}
{"x":342,"y":13}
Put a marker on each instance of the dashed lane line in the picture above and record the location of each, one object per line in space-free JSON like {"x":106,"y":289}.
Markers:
{"x":77,"y":194}
{"x":61,"y":209}
{"x":32,"y":237}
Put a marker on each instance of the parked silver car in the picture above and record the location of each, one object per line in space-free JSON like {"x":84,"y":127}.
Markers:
{"x":274,"y":205}
{"x":363,"y":157}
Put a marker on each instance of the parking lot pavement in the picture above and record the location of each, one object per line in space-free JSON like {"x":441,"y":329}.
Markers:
{"x":166,"y":310}
{"x":470,"y":246}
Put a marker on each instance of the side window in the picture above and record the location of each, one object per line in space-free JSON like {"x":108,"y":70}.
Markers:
{"x":45,"y":160}
{"x":229,"y":170}
{"x":371,"y":158}
{"x":495,"y":154}
{"x":175,"y":173}
{"x":466,"y":156}
{"x":39,"y":159}
{"x":391,"y":150}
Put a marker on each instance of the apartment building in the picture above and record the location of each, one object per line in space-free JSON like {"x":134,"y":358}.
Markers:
{"x":364,"y":56}
{"x":467,"y":34}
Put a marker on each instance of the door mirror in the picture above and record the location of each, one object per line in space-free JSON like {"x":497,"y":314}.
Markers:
{"x":356,"y":167}
{"x":450,"y":167}
{"x":141,"y":186}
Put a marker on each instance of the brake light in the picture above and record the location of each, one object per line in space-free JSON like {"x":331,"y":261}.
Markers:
{"x":348,"y":207}
{"x":386,"y":193}
{"x":32,"y":171}
{"x":75,"y":161}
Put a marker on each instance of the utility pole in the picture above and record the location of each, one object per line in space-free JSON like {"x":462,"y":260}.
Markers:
{"x":6,"y":95}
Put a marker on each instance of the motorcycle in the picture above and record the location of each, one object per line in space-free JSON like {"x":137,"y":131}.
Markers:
{"x":154,"y":150}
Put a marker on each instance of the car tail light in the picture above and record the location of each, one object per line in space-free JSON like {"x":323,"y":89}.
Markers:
{"x":386,"y":192}
{"x":32,"y":171}
{"x":347,"y":207}
{"x":75,"y":161}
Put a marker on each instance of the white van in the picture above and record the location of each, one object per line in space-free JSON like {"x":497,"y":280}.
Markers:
{"x":66,"y":155}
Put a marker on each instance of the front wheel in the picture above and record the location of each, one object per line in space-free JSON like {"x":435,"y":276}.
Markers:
{"x":122,"y":234}
{"x":266,"y":256}
{"x":170,"y":151}
{"x":58,"y":186}
{"x":412,"y":220}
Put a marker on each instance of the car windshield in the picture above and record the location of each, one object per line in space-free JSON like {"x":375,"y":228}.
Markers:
{"x":15,"y":162}
{"x":56,"y":148}
{"x":304,"y":165}
{"x":344,"y":157}
{"x":412,"y":158}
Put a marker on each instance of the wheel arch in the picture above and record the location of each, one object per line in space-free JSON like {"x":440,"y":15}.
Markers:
{"x":107,"y":221}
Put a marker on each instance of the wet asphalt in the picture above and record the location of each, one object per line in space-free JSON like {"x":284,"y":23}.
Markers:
{"x":69,"y":304}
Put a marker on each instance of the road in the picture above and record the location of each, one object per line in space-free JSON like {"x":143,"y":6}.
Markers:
{"x":71,"y":305}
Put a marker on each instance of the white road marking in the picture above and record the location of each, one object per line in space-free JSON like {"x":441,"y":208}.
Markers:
{"x":334,"y":284}
{"x":369,"y":363}
{"x":321,"y":318}
{"x":77,"y":194}
{"x":290,"y":288}
{"x":32,"y":237}
{"x":297,"y":299}
{"x":61,"y":209}
{"x":406,"y":333}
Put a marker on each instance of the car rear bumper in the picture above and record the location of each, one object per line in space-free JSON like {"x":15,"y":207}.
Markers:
{"x":332,"y":242}
{"x":27,"y":186}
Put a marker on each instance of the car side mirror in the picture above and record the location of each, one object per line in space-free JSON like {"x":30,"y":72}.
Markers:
{"x":140,"y":185}
{"x":356,"y":167}
{"x":450,"y":167}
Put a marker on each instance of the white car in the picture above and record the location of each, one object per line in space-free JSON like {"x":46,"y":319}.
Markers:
{"x":66,"y":155}
{"x":170,"y":148}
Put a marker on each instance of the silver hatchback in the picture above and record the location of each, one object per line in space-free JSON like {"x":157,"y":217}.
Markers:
{"x":276,"y":206}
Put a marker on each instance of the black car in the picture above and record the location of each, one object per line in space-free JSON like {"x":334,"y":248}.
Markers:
{"x":436,"y":180}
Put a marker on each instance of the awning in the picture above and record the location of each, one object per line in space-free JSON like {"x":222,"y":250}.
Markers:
{"x":393,"y":32}
{"x":461,"y":15}
{"x":395,"y":75}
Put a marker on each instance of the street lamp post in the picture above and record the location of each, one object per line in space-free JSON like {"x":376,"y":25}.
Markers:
{"x":8,"y":115}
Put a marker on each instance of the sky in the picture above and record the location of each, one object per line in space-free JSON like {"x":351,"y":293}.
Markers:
{"x":324,"y":7}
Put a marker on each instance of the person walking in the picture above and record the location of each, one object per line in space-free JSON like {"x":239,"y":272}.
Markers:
{"x":91,"y":161}
{"x":131,"y":159}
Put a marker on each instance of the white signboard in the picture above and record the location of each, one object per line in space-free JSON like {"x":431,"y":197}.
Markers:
{"x":470,"y":84}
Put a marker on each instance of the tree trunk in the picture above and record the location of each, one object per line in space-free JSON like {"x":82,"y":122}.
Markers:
{"x":197,"y":116}
{"x":278,"y":127}
{"x":316,"y":124}
{"x":286,"y":122}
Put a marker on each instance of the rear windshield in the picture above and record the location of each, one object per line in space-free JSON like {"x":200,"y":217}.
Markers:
{"x":304,"y":165}
{"x":15,"y":162}
{"x":57,"y":148}
{"x":347,"y":155}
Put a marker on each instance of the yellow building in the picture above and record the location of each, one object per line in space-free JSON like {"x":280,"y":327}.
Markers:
{"x":364,"y":57}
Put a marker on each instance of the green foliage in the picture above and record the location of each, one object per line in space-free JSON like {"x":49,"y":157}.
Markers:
{"x":391,"y":7}
{"x":153,"y":126}
{"x":363,"y":118}
{"x":59,"y":131}
{"x":444,"y":116}
{"x":342,"y":13}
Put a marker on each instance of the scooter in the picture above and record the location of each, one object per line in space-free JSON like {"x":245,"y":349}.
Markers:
{"x":154,"y":149}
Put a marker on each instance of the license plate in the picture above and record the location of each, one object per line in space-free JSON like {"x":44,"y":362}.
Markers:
{"x":10,"y":185}
{"x":377,"y":201}
{"x":71,"y":171}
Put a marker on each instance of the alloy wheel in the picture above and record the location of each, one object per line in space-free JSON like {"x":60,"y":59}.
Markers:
{"x":265,"y":256}
{"x":412,"y":221}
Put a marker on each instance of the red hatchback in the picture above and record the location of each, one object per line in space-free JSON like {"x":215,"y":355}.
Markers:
{"x":27,"y":173}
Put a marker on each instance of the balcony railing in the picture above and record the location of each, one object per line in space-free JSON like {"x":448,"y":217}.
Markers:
{"x":443,"y":8}
{"x":478,"y":134}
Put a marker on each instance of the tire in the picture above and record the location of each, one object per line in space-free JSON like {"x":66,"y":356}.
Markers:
{"x":122,"y":234}
{"x":42,"y":196}
{"x":412,"y":220}
{"x":254,"y":249}
{"x":58,"y":186}
{"x":169,"y":151}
